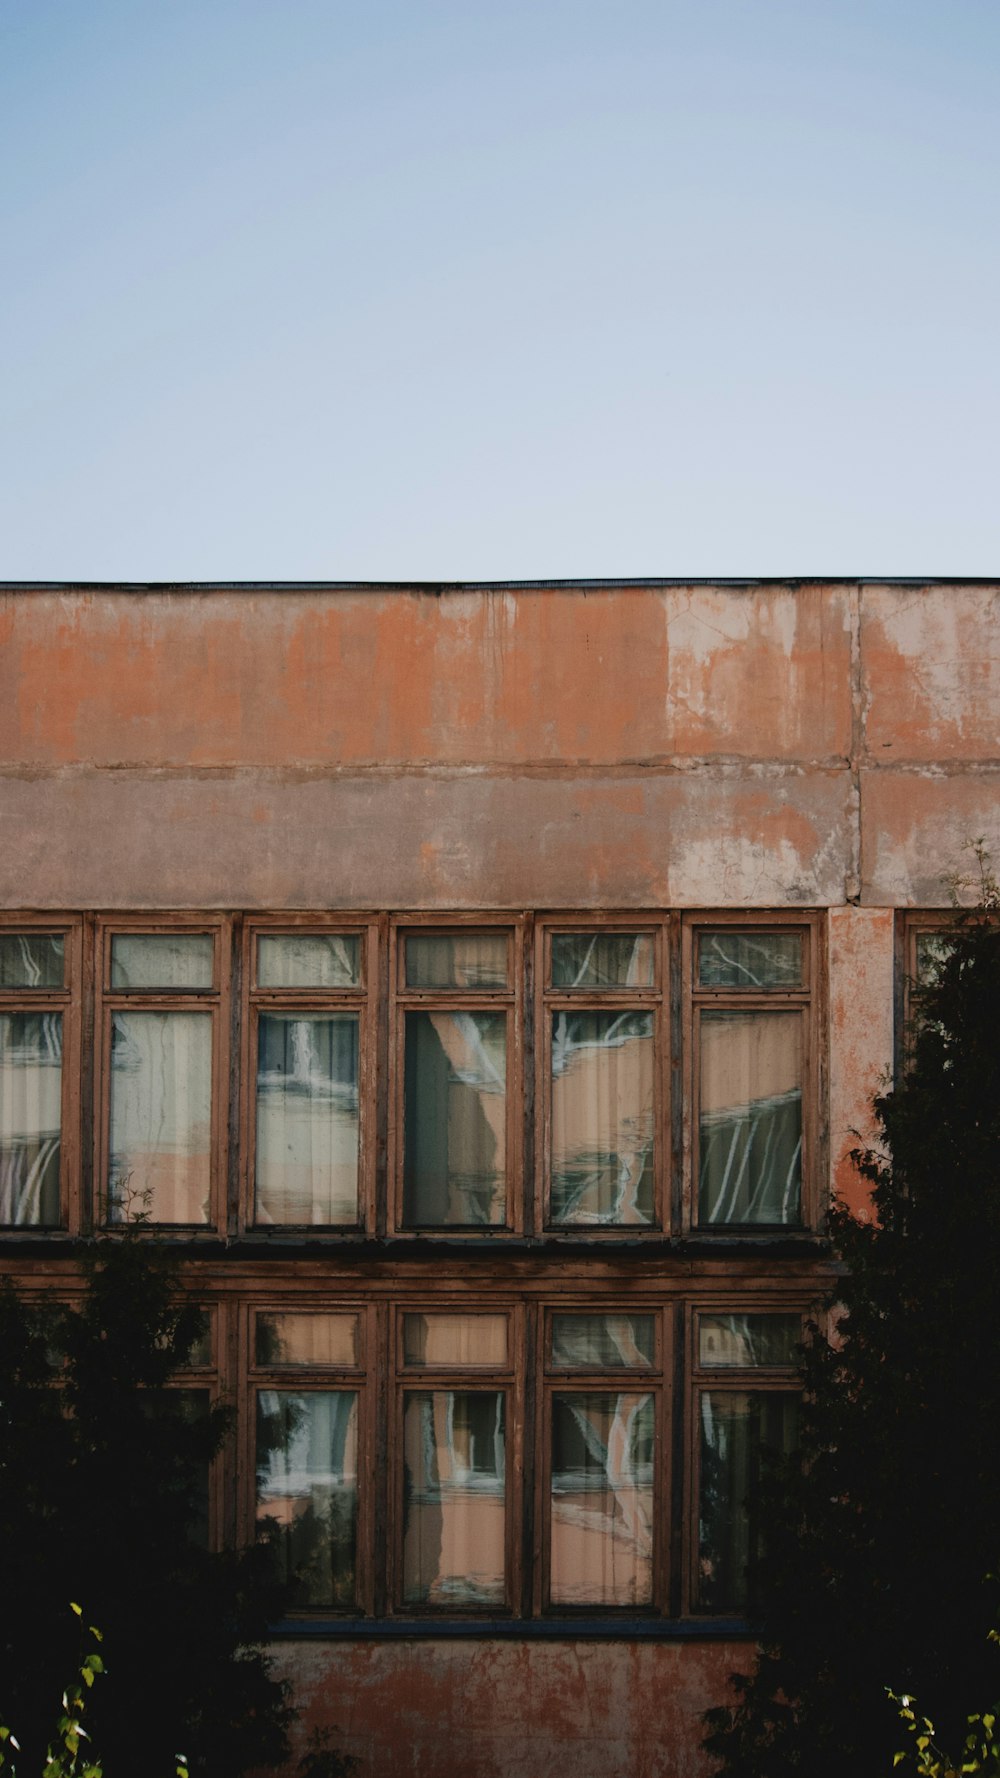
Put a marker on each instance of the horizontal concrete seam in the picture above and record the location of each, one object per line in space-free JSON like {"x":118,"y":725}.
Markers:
{"x":722,"y":765}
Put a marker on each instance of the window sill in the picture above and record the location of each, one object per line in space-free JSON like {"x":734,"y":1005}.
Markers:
{"x":582,"y":1629}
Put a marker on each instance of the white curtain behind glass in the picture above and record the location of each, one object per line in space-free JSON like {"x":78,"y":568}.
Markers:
{"x":30,"y":1117}
{"x":307,"y":1119}
{"x":161,"y":1115}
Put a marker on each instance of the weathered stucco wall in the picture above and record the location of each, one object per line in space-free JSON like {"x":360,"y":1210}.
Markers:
{"x":758,"y":745}
{"x":629,"y":745}
{"x":500,"y":1709}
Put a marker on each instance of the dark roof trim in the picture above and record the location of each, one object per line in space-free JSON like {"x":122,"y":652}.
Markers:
{"x":438,"y":587}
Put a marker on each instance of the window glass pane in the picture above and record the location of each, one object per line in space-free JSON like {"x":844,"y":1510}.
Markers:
{"x":162,"y":960}
{"x":750,"y":1119}
{"x":453,"y":1502}
{"x":179,"y":1418}
{"x":736,"y":1429}
{"x":307,"y":1490}
{"x":602,"y":1499}
{"x":200,"y":1351}
{"x":446,"y":1340}
{"x":456,"y":960}
{"x":933,"y":951}
{"x":307,"y":1118}
{"x":161,"y":1116}
{"x":309,"y":960}
{"x":602,"y":1342}
{"x":455,"y":1141}
{"x":306,"y":1339}
{"x":750,"y":959}
{"x":32,"y":960}
{"x":602,"y":1117}
{"x":602,"y":960}
{"x":747,"y":1341}
{"x":30,"y":1118}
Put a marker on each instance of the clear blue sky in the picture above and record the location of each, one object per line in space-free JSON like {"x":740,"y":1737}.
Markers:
{"x":493,"y":289}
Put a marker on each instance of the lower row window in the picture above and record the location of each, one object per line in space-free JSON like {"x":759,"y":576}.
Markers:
{"x":468,"y":1472}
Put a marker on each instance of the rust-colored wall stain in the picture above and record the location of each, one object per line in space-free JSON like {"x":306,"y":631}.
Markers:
{"x":932,"y":673}
{"x":515,"y":1709}
{"x":916,"y":827}
{"x":243,"y":679}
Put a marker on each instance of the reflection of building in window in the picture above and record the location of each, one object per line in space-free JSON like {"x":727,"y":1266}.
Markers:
{"x":602,"y":1499}
{"x":602,"y":1117}
{"x":456,"y":1117}
{"x":307,"y":1118}
{"x":750,"y":1117}
{"x":307,"y":1489}
{"x":454,"y":1497}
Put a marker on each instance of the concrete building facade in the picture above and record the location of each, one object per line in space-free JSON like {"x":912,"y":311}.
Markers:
{"x":483,"y":987}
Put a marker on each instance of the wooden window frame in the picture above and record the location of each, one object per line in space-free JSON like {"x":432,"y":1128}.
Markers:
{"x":214,"y":1000}
{"x":656,"y":1000}
{"x":723,"y":1379}
{"x":655,"y":1380}
{"x":403,"y":999}
{"x":365,"y":1000}
{"x":809,"y":1000}
{"x":68,"y":1002}
{"x":509,"y":1380}
{"x":311,"y":1379}
{"x":915,"y":925}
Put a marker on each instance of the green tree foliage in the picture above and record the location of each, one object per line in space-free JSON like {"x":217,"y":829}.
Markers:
{"x":102,"y":1498}
{"x":69,"y":1753}
{"x":878,"y":1541}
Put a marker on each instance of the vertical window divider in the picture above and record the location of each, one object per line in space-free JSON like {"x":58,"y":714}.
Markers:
{"x":234,"y":1099}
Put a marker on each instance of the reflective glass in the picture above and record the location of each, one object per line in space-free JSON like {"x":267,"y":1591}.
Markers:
{"x":456,"y":960}
{"x":750,"y":1118}
{"x":200,"y":1351}
{"x":454,"y":1340}
{"x":748,"y":1341}
{"x":603,"y":960}
{"x":307,"y":1490}
{"x":750,"y":960}
{"x":309,"y":960}
{"x":302,"y":1339}
{"x":736,"y":1429}
{"x":603,"y":1342}
{"x":161,"y":1116}
{"x":162,"y":960}
{"x":602,"y":1117}
{"x":602,"y":1499}
{"x":307,"y":1118}
{"x":933,"y":951}
{"x":454,"y":1499}
{"x":32,"y":960}
{"x":455,"y":1137}
{"x":180,"y":1416}
{"x":30,"y":1118}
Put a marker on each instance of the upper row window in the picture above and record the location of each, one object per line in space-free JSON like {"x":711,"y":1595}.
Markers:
{"x":498,"y":1109}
